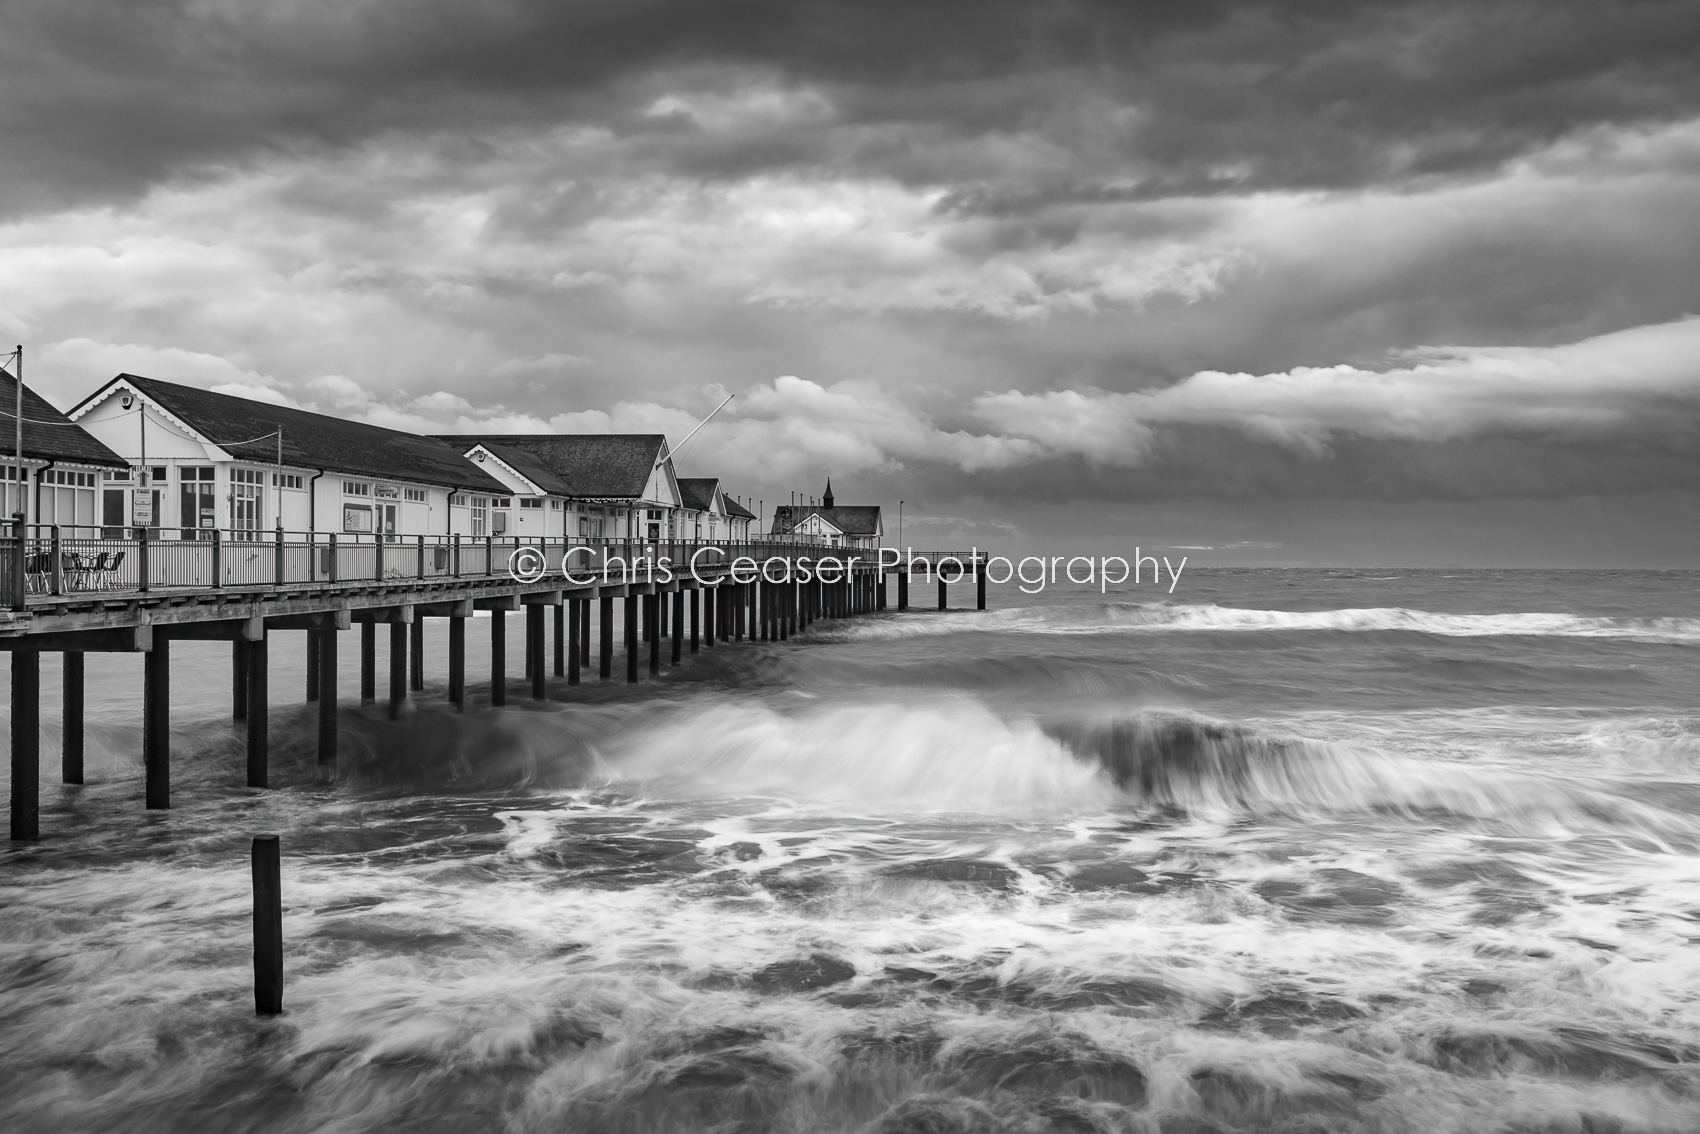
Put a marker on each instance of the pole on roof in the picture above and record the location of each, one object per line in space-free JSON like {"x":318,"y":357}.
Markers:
{"x":18,"y":433}
{"x":278,"y":481}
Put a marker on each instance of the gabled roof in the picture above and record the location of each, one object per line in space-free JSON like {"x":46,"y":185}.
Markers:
{"x":737,"y":510}
{"x":310,"y":440}
{"x":526,"y":464}
{"x":586,"y":465}
{"x":851,"y":519}
{"x":697,"y":492}
{"x":48,"y":434}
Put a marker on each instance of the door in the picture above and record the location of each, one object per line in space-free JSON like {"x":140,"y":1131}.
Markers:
{"x":197,"y":515}
{"x":386,"y":522}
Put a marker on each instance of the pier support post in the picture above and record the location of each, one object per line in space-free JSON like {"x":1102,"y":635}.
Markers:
{"x":265,"y":864}
{"x":631,"y":637}
{"x":26,"y":745}
{"x":156,"y":723}
{"x":313,"y":651}
{"x":457,"y":660}
{"x":696,"y":619}
{"x":646,"y":614}
{"x":941,"y":590}
{"x":498,"y":657}
{"x":740,"y":609}
{"x":561,"y":636}
{"x":654,"y":603}
{"x":582,"y":642}
{"x":327,"y":698}
{"x":903,"y":590}
{"x":398,"y":668}
{"x":605,"y":635}
{"x":678,"y":626}
{"x":574,"y":615}
{"x":368,"y":662}
{"x":882,"y":598}
{"x":708,"y":615}
{"x":259,"y":710}
{"x":537,"y":638}
{"x":238,"y":679}
{"x":416,"y":655}
{"x":71,"y":748}
{"x":980,"y":585}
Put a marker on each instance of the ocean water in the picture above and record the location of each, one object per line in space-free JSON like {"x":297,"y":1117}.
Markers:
{"x":1295,"y":851}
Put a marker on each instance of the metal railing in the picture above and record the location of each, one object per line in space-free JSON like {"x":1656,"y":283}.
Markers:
{"x":66,"y":560}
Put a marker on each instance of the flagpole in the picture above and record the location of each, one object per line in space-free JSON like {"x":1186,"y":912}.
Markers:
{"x":18,"y":433}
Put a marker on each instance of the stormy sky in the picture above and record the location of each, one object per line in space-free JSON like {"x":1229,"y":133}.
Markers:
{"x":1297,"y":282}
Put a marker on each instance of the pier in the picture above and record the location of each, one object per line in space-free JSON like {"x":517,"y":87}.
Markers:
{"x":77,"y":591}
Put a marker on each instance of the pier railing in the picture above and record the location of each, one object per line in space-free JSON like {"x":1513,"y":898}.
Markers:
{"x":64,"y":560}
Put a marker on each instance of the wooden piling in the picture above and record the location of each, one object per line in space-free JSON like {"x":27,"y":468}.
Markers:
{"x":259,"y":712}
{"x":561,"y":635}
{"x":416,"y":654}
{"x":266,"y":868}
{"x":605,"y":632}
{"x":26,"y":745}
{"x":980,"y":585}
{"x":654,"y":604}
{"x":903,"y":590}
{"x":631,"y":638}
{"x":942,"y":594}
{"x":313,"y":652}
{"x":708,"y":615}
{"x":368,"y":662}
{"x":583,"y":641}
{"x":498,"y":657}
{"x":71,"y":747}
{"x":573,"y":617}
{"x":534,"y":617}
{"x":457,"y":660}
{"x":327,"y":698}
{"x":696,"y":619}
{"x":678,"y":634}
{"x":156,"y":723}
{"x":398,"y":668}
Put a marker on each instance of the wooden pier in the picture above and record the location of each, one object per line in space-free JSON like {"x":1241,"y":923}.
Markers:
{"x":77,"y":592}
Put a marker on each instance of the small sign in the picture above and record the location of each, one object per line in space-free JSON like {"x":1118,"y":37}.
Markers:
{"x":386,"y":491}
{"x":141,"y":508}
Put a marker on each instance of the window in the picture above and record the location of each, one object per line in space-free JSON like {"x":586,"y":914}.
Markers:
{"x":554,"y":505}
{"x":66,"y":497}
{"x":121,"y":477}
{"x":415,"y":495}
{"x":501,"y":501}
{"x":247,"y":487}
{"x":480,"y":514}
{"x":356,"y":488}
{"x":655,"y":514}
{"x":68,"y":477}
{"x":197,"y":515}
{"x":457,"y":500}
{"x":286,"y":480}
{"x":530,"y":503}
{"x":159,"y":474}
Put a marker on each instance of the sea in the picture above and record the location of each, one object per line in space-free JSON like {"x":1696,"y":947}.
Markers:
{"x":1297,"y":851}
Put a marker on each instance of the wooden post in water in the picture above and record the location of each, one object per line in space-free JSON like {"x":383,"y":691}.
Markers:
{"x":416,"y":654}
{"x":327,"y":699}
{"x":398,"y":668}
{"x":457,"y":660}
{"x":980,"y":585}
{"x":26,"y":745}
{"x":562,"y":638}
{"x":631,"y":637}
{"x":238,"y":678}
{"x":582,"y":643}
{"x":71,"y":749}
{"x":573,"y":617}
{"x":259,"y":711}
{"x":266,"y":866}
{"x":605,"y":636}
{"x":941,"y":590}
{"x":498,"y":657}
{"x":708,"y":615}
{"x":654,"y":602}
{"x":368,"y":662}
{"x":535,"y":615}
{"x":678,"y":625}
{"x":156,"y":723}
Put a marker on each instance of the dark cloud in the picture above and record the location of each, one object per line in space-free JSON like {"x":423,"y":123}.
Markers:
{"x":1015,"y":103}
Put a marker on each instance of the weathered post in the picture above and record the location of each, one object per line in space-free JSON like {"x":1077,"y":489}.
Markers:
{"x":71,"y":750}
{"x":259,"y":707}
{"x":416,"y":654}
{"x":654,"y":604}
{"x":327,"y":670}
{"x":457,"y":660}
{"x":156,"y":723}
{"x":327,"y":698}
{"x":882,"y":594}
{"x":740,"y":609}
{"x":678,"y":625}
{"x":238,"y":679}
{"x":605,"y":636}
{"x":708,"y":615}
{"x":498,"y":657}
{"x":583,"y":641}
{"x":398,"y":668}
{"x":561,"y":631}
{"x":573,"y":616}
{"x":537,"y":639}
{"x":941,"y":590}
{"x":980,"y":584}
{"x":368,"y":662}
{"x":696,"y":618}
{"x":903,"y":589}
{"x":26,"y":745}
{"x":265,"y":862}
{"x":631,"y":637}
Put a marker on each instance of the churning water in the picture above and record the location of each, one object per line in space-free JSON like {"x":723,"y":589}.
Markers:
{"x":1288,"y":851}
